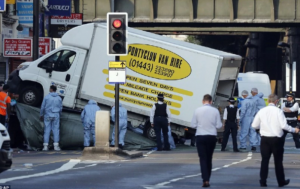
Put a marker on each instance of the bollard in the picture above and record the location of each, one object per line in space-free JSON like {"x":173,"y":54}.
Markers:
{"x":102,"y":127}
{"x":102,"y":151}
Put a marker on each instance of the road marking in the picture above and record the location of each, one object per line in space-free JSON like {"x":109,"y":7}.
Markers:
{"x":21,"y":169}
{"x":148,"y":153}
{"x":64,"y":167}
{"x":289,"y":138}
{"x":85,"y":166}
{"x":162,"y":185}
{"x":101,"y":161}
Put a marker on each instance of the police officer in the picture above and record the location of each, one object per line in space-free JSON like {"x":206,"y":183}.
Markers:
{"x":160,"y":119}
{"x":290,"y":109}
{"x":230,"y":120}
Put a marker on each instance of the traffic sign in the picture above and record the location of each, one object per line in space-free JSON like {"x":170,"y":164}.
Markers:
{"x":17,"y":48}
{"x":120,"y":64}
{"x":117,"y":72}
{"x":44,"y":45}
{"x":2,"y":5}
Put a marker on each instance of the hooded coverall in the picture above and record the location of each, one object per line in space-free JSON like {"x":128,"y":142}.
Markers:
{"x":122,"y":124}
{"x":51,"y":110}
{"x":260,"y":103}
{"x":248,"y":111}
{"x":88,"y":116}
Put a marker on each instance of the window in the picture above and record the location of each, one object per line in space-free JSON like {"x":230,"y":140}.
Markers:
{"x":60,"y":61}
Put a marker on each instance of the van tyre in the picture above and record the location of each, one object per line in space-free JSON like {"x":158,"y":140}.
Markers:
{"x":31,"y":96}
{"x":149,"y":131}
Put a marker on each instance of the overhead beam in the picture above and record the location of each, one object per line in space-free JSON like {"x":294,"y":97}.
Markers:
{"x":201,"y":33}
{"x":212,"y":29}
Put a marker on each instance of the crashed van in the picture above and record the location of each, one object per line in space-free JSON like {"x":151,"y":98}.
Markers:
{"x":182,"y":71}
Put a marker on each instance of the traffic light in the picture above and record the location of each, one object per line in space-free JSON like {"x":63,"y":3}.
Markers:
{"x":117,"y":34}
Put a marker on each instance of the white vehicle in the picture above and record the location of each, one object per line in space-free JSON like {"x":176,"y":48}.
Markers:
{"x":5,"y":150}
{"x":249,"y":80}
{"x":182,"y":71}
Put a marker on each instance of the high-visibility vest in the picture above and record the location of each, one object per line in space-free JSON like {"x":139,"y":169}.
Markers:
{"x":3,"y":103}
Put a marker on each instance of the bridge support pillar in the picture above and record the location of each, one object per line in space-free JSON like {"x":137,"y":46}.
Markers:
{"x":294,"y":42}
{"x":254,"y":62}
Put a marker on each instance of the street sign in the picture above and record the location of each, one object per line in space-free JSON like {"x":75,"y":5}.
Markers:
{"x":10,"y":2}
{"x":25,"y":12}
{"x":2,"y":5}
{"x":59,"y":7}
{"x":44,"y":45}
{"x":117,"y":72}
{"x":61,"y":24}
{"x":17,"y":48}
{"x":74,"y":19}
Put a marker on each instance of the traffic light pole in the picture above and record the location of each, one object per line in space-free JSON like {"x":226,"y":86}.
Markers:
{"x":117,"y":92}
{"x":36,"y":27}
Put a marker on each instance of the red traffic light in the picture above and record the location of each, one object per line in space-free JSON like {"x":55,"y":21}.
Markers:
{"x":117,"y":23}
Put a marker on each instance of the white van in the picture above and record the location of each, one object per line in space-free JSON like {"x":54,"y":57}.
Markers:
{"x":249,"y":80}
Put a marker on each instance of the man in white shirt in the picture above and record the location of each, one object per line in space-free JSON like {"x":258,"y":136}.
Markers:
{"x":271,"y":122}
{"x":206,"y":120}
{"x":290,"y":109}
{"x":160,"y":119}
{"x":230,"y":124}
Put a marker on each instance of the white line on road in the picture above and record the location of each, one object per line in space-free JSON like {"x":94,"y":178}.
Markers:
{"x":148,"y":153}
{"x":163,"y":184}
{"x":64,"y":167}
{"x":85,"y":166}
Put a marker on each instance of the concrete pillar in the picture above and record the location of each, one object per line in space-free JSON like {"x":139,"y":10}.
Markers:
{"x":102,"y":126}
{"x":254,"y":58}
{"x":102,"y":150}
{"x":294,"y":42}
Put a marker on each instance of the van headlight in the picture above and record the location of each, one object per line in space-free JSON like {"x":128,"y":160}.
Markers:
{"x":22,"y":67}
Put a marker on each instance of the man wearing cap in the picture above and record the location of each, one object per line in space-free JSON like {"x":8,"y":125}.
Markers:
{"x":290,"y":109}
{"x":230,"y":120}
{"x":248,"y":111}
{"x":160,"y":119}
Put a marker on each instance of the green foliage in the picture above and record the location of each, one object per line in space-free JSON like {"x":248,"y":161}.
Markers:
{"x":228,"y":43}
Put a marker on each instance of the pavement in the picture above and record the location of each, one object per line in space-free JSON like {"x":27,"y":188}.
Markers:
{"x":178,"y":168}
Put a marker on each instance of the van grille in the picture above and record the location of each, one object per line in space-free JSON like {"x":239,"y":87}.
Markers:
{"x":6,"y":145}
{"x":3,"y":133}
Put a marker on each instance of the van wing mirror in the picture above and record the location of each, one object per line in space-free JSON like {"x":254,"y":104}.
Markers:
{"x":48,"y":66}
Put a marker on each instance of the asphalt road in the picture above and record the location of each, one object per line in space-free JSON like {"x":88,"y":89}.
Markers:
{"x":175,"y":169}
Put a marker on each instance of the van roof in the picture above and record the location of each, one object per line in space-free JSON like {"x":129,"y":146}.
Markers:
{"x":84,"y":41}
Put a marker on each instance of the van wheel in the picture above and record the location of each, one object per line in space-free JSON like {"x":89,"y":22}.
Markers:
{"x":149,"y":131}
{"x":31,"y":96}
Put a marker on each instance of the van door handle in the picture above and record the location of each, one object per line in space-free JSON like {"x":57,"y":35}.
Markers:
{"x":68,"y":77}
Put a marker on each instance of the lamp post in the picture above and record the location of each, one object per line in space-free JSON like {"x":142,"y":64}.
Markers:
{"x":36,"y":27}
